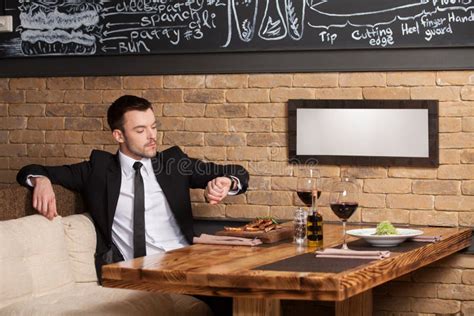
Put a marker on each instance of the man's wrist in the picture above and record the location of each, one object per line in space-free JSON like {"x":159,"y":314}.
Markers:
{"x":233,"y":183}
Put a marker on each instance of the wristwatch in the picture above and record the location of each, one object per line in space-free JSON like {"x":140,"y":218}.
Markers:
{"x":232,"y":183}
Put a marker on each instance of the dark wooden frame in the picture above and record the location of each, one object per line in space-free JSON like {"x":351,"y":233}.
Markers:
{"x":431,"y":105}
{"x":460,"y":58}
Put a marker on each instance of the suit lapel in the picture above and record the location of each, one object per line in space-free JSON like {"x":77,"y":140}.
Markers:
{"x":114,"y":180}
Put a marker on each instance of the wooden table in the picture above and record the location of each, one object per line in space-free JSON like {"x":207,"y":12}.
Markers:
{"x":230,"y":271}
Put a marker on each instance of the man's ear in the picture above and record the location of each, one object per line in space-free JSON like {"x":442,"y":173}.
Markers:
{"x":118,"y":135}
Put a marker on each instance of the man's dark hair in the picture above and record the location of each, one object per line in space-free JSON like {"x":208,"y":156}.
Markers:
{"x":121,"y":106}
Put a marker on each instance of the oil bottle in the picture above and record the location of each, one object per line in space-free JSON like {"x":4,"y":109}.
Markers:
{"x":314,"y":231}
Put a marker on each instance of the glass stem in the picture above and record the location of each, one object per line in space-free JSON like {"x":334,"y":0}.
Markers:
{"x":344,"y":244}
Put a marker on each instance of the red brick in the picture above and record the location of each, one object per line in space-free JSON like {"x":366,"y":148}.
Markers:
{"x":26,"y":109}
{"x":26,"y":137}
{"x":17,"y":163}
{"x":8,"y":96}
{"x":204,"y":96}
{"x":13,"y":122}
{"x":143,"y":82}
{"x":109,"y":96}
{"x":164,"y":95}
{"x":250,"y":125}
{"x":79,"y":151}
{"x":439,"y":93}
{"x":183,"y":138}
{"x":247,"y":211}
{"x":184,"y":81}
{"x":206,"y":153}
{"x":284,"y":94}
{"x":4,"y":83}
{"x":83,"y":96}
{"x":4,"y":109}
{"x":96,"y":110}
{"x":226,"y":110}
{"x":184,"y":109}
{"x":7,"y":176}
{"x":46,"y":96}
{"x":205,"y":124}
{"x":267,"y":110}
{"x":46,"y":150}
{"x":46,"y":123}
{"x":4,"y":137}
{"x":27,"y":83}
{"x":12,"y":150}
{"x":65,"y":83}
{"x":83,"y":124}
{"x":103,"y":83}
{"x":226,"y":81}
{"x":208,"y":210}
{"x":169,"y":123}
{"x":315,"y":80}
{"x":247,"y":95}
{"x":63,"y":137}
{"x":338,"y":93}
{"x":98,"y":137}
{"x":362,"y":79}
{"x":64,"y":109}
{"x":224,"y":139}
{"x":270,"y":80}
{"x":267,"y":139}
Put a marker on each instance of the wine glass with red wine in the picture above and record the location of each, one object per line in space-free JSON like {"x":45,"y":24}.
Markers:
{"x":307,"y":187}
{"x":344,"y":200}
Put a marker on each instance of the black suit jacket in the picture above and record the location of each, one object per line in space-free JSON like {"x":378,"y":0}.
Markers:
{"x":99,"y":179}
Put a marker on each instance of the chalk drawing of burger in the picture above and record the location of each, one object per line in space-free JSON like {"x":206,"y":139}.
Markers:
{"x":59,"y":27}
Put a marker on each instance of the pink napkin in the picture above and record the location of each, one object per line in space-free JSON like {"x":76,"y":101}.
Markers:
{"x":424,"y":238}
{"x":226,"y":240}
{"x":349,"y":253}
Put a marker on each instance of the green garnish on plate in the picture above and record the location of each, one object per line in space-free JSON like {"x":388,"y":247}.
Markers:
{"x":385,"y":228}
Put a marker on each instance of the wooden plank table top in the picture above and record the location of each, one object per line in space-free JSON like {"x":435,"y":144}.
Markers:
{"x":222,"y":270}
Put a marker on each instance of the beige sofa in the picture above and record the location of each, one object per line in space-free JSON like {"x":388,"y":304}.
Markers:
{"x":47,"y":268}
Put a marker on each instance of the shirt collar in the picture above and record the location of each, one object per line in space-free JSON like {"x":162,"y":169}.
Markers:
{"x":127,"y":162}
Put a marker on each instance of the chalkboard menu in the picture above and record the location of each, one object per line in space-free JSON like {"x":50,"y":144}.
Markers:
{"x":67,"y":28}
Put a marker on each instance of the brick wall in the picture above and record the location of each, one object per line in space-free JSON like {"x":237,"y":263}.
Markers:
{"x":242,"y":118}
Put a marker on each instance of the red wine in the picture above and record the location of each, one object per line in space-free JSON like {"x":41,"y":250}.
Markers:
{"x":344,"y":210}
{"x":306,"y":197}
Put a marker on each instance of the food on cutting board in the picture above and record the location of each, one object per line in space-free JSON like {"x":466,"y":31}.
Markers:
{"x":263,"y":224}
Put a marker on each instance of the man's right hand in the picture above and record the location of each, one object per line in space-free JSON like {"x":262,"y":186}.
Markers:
{"x":44,"y":199}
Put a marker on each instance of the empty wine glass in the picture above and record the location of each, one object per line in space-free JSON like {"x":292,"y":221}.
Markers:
{"x":344,"y":200}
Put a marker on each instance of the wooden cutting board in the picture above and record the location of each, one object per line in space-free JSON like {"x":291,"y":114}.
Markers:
{"x":285,"y":232}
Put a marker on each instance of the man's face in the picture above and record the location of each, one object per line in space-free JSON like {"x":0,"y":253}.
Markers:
{"x":138,"y":139}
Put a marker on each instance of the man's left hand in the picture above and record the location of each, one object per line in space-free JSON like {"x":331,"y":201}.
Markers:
{"x":217,"y":189}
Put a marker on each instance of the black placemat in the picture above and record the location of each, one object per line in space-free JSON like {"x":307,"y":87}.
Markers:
{"x":309,"y":263}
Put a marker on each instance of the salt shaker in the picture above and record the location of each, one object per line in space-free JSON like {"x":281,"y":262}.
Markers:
{"x":300,"y":227}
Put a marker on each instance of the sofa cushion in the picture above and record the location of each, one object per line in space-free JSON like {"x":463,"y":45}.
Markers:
{"x":33,"y":258}
{"x":90,"y":299}
{"x":81,"y":242}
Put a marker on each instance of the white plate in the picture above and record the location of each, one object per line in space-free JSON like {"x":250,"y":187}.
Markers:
{"x":384,"y":240}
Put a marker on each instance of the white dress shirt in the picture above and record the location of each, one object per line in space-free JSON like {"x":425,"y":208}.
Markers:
{"x":162,"y":233}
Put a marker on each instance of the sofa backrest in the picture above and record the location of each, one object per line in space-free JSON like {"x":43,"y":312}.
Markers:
{"x":15,"y":202}
{"x":39,"y":256}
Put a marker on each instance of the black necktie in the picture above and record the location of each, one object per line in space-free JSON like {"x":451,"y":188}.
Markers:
{"x":139,"y":248}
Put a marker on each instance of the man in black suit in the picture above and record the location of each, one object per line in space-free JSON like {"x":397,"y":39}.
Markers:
{"x":108,"y":184}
